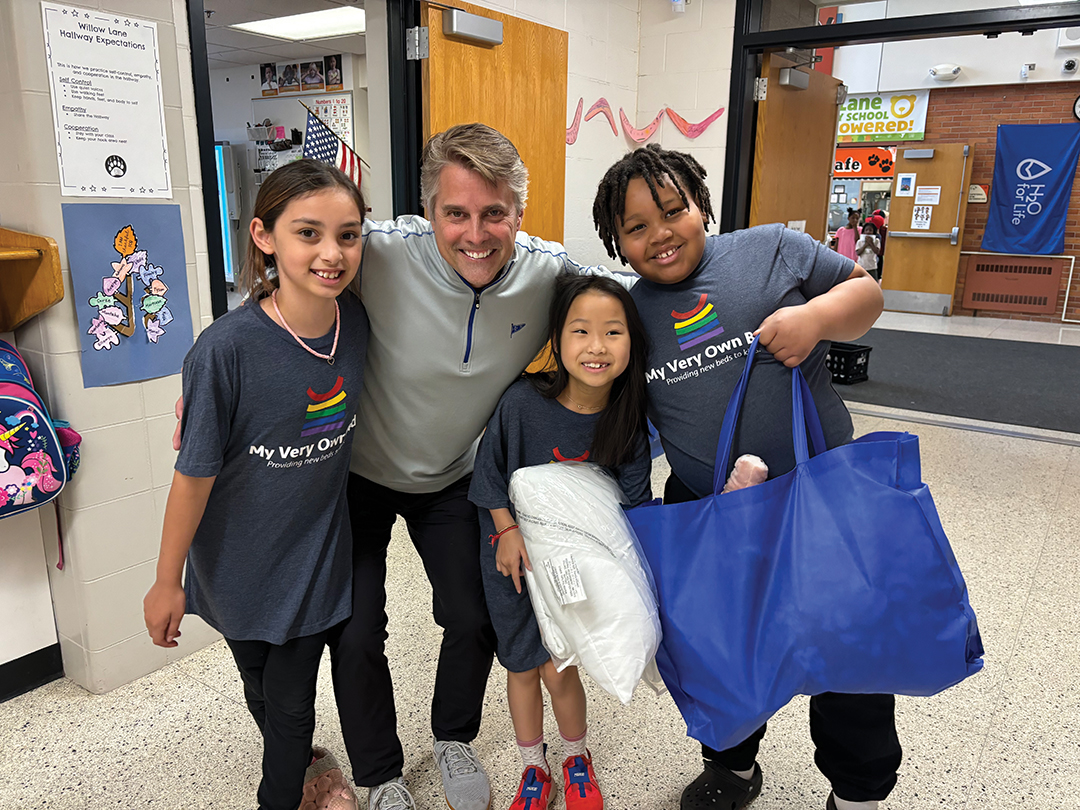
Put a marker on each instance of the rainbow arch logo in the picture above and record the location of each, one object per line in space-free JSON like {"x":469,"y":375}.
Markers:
{"x":697,"y":325}
{"x":326,"y":411}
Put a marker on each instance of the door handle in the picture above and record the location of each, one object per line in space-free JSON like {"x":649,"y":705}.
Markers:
{"x":953,"y":236}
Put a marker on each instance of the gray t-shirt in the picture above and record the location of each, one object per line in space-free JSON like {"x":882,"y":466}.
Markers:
{"x":528,"y":429}
{"x":699,"y":330}
{"x":272,"y":557}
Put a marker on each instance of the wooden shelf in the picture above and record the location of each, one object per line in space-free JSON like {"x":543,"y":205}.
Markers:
{"x":30,"y":280}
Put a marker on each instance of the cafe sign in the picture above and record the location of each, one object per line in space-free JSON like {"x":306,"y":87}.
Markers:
{"x":884,"y":117}
{"x":864,"y":162}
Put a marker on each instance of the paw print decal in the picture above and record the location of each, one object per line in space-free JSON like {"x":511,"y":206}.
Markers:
{"x":115,"y":166}
{"x":872,"y":160}
{"x":886,"y":165}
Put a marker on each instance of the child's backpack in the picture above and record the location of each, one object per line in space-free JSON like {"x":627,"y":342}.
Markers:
{"x":37,"y":455}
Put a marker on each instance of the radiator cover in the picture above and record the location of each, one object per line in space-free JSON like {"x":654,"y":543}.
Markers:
{"x":1013,"y":284}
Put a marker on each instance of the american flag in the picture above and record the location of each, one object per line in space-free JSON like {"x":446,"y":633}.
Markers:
{"x":321,"y":143}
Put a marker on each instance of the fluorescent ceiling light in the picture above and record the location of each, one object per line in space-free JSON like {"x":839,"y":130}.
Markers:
{"x":334,"y":22}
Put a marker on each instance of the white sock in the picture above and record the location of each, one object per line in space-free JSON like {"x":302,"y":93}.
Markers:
{"x":532,"y":754}
{"x":844,"y":804}
{"x":744,"y":774}
{"x":574,"y":747}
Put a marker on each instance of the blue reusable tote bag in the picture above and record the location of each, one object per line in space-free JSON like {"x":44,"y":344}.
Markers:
{"x":836,"y":577}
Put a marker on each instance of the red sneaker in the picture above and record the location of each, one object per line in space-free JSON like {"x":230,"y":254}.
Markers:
{"x":579,"y":784}
{"x":534,"y":790}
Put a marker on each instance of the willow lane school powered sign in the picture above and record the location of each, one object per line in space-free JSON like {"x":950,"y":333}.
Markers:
{"x":884,"y":117}
{"x":864,"y":162}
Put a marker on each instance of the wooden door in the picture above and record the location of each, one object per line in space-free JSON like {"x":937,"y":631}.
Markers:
{"x":519,"y":88}
{"x":922,"y":253}
{"x":794,"y":149}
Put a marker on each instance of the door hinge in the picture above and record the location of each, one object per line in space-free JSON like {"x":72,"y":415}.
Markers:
{"x":841,"y":95}
{"x":416,"y":43}
{"x":761,"y":87}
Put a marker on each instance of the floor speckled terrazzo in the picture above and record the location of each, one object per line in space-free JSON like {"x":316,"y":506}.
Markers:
{"x":182,"y":737}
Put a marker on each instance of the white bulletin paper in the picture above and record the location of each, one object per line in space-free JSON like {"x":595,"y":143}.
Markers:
{"x":108,"y":112}
{"x":920,"y":217}
{"x":927,"y":195}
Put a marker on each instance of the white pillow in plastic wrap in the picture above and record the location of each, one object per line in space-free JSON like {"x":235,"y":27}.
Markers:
{"x":591,"y":589}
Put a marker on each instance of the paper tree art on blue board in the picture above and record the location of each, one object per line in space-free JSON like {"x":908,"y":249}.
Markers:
{"x":115,"y":304}
{"x":130,"y":280}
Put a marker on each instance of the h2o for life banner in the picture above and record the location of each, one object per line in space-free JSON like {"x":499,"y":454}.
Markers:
{"x":1034,"y":169}
{"x":883,"y":117}
{"x":108,"y":113}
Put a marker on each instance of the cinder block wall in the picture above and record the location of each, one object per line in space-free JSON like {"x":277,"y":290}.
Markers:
{"x":111,"y":513}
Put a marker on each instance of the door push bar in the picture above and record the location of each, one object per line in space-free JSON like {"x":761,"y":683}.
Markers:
{"x":953,"y":236}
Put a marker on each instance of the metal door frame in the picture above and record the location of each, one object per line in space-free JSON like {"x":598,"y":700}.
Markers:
{"x":751,"y":42}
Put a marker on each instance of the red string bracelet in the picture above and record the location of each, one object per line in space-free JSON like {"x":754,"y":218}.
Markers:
{"x":495,"y":537}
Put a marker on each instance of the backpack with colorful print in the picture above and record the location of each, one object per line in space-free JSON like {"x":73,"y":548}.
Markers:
{"x":37,"y":455}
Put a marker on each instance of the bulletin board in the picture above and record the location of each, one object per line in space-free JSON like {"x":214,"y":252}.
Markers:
{"x":335,"y":109}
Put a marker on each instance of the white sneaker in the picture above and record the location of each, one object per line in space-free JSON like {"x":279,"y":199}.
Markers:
{"x":391,"y":795}
{"x":465,"y":783}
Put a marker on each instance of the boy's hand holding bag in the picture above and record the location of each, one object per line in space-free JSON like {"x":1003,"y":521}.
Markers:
{"x":836,"y":577}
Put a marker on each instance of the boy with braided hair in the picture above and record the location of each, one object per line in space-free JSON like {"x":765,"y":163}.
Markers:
{"x":704,"y":298}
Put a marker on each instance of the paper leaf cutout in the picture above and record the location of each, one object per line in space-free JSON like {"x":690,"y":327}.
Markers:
{"x":125,"y":242}
{"x":137,"y":261}
{"x":110,"y":284}
{"x":101,"y":300}
{"x":165,"y":316}
{"x":148,"y":273}
{"x":151,"y":304}
{"x":112,"y":315}
{"x":154,"y":330}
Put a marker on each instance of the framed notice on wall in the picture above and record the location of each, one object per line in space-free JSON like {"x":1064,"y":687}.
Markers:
{"x":108,"y":112}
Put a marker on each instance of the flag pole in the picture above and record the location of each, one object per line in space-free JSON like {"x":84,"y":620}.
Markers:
{"x":306,"y":107}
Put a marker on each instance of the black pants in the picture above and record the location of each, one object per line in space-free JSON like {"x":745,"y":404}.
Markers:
{"x":857,"y":748}
{"x":279,"y":686}
{"x":444,"y":529}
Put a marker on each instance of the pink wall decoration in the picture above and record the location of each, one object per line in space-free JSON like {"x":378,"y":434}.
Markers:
{"x":572,"y":130}
{"x":602,"y":106}
{"x":692,"y":130}
{"x":637,"y":135}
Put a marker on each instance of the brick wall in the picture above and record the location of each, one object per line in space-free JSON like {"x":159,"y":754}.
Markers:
{"x":971,"y":115}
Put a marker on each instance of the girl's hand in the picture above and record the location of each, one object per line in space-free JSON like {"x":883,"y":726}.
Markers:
{"x":790,"y":334}
{"x":511,"y":555}
{"x":163,"y":608}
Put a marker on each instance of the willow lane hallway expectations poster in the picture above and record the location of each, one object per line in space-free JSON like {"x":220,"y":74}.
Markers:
{"x":108,"y":111}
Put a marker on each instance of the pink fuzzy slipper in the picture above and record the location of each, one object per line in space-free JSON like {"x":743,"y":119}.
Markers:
{"x":325,"y":786}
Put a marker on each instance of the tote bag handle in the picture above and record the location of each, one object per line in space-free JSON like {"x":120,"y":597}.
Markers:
{"x":804,"y":418}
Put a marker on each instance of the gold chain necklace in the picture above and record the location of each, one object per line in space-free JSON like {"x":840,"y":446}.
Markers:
{"x":585,"y":407}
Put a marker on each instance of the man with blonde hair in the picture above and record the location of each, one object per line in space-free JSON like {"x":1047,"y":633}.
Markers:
{"x":458,"y":305}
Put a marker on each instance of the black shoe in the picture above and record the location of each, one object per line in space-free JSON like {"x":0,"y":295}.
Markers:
{"x":830,"y":804}
{"x":719,"y":789}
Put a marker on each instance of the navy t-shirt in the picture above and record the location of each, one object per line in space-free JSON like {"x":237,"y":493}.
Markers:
{"x":527,"y":429}
{"x":699,"y":330}
{"x":272,"y":557}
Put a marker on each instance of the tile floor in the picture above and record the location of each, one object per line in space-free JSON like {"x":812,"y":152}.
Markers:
{"x":1006,"y":738}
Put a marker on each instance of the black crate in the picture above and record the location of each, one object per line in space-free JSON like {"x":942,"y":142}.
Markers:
{"x":849,"y":363}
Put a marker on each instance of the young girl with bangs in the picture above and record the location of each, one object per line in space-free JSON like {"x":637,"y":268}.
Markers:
{"x":257,"y":508}
{"x":591,"y":408}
